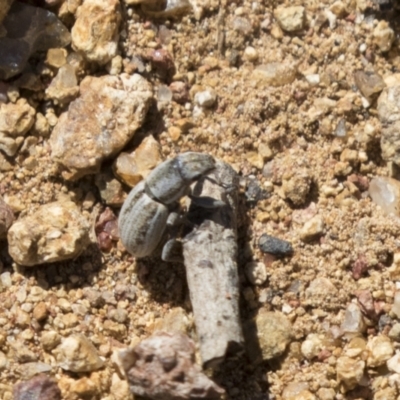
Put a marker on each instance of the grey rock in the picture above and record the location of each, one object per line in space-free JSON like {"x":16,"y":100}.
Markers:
{"x":273,"y":245}
{"x":28,"y":29}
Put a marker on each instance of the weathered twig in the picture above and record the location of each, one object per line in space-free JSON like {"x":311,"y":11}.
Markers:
{"x":210,"y":252}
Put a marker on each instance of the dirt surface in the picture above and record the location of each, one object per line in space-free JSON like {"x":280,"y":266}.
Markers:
{"x":295,"y":167}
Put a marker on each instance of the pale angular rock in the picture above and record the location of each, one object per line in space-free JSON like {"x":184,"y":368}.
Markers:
{"x":6,"y":218}
{"x":100,"y":122}
{"x":15,"y":121}
{"x":77,"y":354}
{"x":321,"y":292}
{"x":349,"y":371}
{"x":256,"y":272}
{"x":50,"y":340}
{"x":383,"y":36}
{"x":275,"y":74}
{"x":294,"y":389}
{"x":111,"y":190}
{"x":95,"y":33}
{"x":389,"y":115}
{"x":355,"y":347}
{"x":175,"y":321}
{"x":154,"y":365}
{"x":56,"y":57}
{"x":274,"y":333}
{"x":369,"y":83}
{"x":206,"y":99}
{"x":396,"y":305}
{"x":30,"y":369}
{"x":64,"y":87}
{"x":120,"y":388}
{"x":393,"y":363}
{"x":380,"y":350}
{"x":353,"y":322}
{"x":326,"y":394}
{"x":385,"y":192}
{"x":296,"y":185}
{"x":312,"y":346}
{"x":394,"y":333}
{"x":29,"y":29}
{"x":290,"y":19}
{"x":131,"y":168}
{"x":312,"y":228}
{"x":56,"y":231}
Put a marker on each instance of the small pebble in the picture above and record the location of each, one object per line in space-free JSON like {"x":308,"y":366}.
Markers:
{"x":205,"y":99}
{"x":273,"y":245}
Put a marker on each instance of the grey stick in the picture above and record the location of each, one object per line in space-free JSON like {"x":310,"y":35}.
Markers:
{"x":210,"y":253}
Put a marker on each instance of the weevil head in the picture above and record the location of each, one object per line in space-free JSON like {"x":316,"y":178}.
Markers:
{"x":194,"y":165}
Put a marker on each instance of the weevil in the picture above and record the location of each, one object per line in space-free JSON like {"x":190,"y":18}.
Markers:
{"x":146,"y":212}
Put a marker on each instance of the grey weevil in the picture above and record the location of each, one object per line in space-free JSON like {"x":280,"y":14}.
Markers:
{"x":144,"y":214}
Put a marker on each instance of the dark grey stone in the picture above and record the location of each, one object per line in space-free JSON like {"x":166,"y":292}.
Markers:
{"x":273,"y":245}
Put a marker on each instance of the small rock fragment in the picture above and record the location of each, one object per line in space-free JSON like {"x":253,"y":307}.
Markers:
{"x":50,"y":340}
{"x":100,"y":122}
{"x":383,"y":36}
{"x":393,"y":363}
{"x":349,"y":371}
{"x":162,"y":368}
{"x":273,"y":245}
{"x":274,"y":334}
{"x":180,"y":92}
{"x":322,"y":292}
{"x":55,"y":232}
{"x":275,"y":74}
{"x":369,"y":83}
{"x":385,"y":192}
{"x":256,"y":272}
{"x":353,"y":322}
{"x":296,"y":185}
{"x":133,"y":167}
{"x":30,"y":369}
{"x":290,"y":19}
{"x":95,"y":32}
{"x":77,"y":354}
{"x":389,"y":116}
{"x":111,"y":190}
{"x":38,"y":388}
{"x":28,"y":29}
{"x":312,"y":346}
{"x":40,"y":312}
{"x":64,"y":87}
{"x":56,"y":57}
{"x":15,"y":121}
{"x":205,"y":99}
{"x":394,"y":333}
{"x":396,"y":305}
{"x":380,"y":350}
{"x":312,"y":228}
{"x":6,"y":218}
{"x":292,"y":390}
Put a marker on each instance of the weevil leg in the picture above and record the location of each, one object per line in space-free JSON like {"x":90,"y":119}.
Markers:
{"x":172,"y":251}
{"x":206,"y":202}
